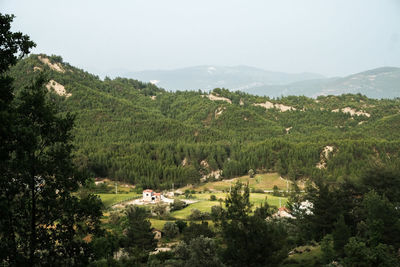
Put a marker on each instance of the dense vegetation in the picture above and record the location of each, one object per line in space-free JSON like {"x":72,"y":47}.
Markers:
{"x":41,"y":221}
{"x":138,"y":133}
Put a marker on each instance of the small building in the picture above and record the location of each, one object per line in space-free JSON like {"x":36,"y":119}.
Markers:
{"x":156,"y":197}
{"x":283,"y":212}
{"x":147,"y":195}
{"x":151,"y":196}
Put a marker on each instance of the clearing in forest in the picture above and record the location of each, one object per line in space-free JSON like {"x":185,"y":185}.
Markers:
{"x":264,"y":181}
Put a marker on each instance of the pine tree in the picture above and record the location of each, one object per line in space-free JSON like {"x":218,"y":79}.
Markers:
{"x":41,"y":221}
{"x":139,"y":239}
{"x":250,"y":240}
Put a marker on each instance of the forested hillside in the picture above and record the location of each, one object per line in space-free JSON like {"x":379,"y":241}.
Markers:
{"x":136,"y":132}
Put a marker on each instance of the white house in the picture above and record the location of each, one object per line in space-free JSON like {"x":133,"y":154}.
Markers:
{"x":149,"y":196}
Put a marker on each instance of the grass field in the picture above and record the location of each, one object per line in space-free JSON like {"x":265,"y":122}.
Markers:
{"x":158,"y":224}
{"x":111,"y":199}
{"x":205,"y":204}
{"x":201,"y":205}
{"x":265,"y":181}
{"x":310,"y":256}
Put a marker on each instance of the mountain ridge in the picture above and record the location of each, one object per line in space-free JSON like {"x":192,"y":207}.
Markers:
{"x":208,"y":77}
{"x":274,"y":84}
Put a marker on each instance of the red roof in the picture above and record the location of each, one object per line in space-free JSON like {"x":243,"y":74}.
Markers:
{"x":157,"y":194}
{"x":148,"y":190}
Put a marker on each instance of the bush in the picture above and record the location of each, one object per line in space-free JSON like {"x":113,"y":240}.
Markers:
{"x":160,"y":210}
{"x":251,"y":173}
{"x":213,"y":198}
{"x":181,"y":225}
{"x":115,"y":217}
{"x":216,"y":212}
{"x":138,"y":189}
{"x":328,"y":253}
{"x":188,"y":194}
{"x":276,"y":191}
{"x":195,"y":230}
{"x":103,"y":188}
{"x":177,"y":205}
{"x":170,"y":229}
{"x":257,"y":190}
{"x":201,"y":251}
{"x":198,"y":215}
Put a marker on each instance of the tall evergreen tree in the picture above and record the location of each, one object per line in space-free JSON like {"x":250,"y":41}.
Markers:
{"x":139,"y":238}
{"x":250,"y":240}
{"x":41,"y":221}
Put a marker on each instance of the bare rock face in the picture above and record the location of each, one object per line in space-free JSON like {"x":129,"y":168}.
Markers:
{"x":58,"y":88}
{"x":55,"y":66}
{"x":270,"y":105}
{"x":352,"y":112}
{"x":218,"y":112}
{"x":218,"y":98}
{"x":324,"y":156}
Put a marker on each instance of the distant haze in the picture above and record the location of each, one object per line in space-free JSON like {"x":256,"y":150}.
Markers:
{"x":329,"y":37}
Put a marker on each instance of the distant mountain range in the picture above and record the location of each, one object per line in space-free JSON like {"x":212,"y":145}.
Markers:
{"x":209,"y":77}
{"x":377,"y":83}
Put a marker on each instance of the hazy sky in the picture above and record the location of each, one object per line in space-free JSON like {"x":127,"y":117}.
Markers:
{"x":331,"y":37}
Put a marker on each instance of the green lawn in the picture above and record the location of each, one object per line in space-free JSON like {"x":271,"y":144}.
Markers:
{"x":111,"y":199}
{"x":265,"y":181}
{"x":205,"y":204}
{"x":158,"y":224}
{"x":306,"y":258}
{"x":201,"y":205}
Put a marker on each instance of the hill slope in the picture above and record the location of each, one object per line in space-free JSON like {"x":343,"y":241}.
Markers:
{"x":136,"y":132}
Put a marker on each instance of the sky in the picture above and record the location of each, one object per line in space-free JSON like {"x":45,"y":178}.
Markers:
{"x":330,"y":37}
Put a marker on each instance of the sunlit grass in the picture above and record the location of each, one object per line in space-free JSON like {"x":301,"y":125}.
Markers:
{"x":111,"y":199}
{"x":265,"y":181}
{"x":204,"y":204}
{"x":306,"y":258}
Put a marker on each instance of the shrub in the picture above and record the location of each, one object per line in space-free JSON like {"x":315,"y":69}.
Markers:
{"x":188,"y":194}
{"x":115,"y":217}
{"x":216,"y":212}
{"x":213,"y":198}
{"x":257,"y":190}
{"x":181,"y":225}
{"x":170,"y":229}
{"x":276,"y":191}
{"x":251,"y":173}
{"x":198,"y":215}
{"x":160,"y":210}
{"x":138,"y":190}
{"x":195,"y":230}
{"x":103,"y":188}
{"x":177,"y":205}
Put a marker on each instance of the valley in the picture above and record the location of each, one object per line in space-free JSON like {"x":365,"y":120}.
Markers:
{"x":222,"y":165}
{"x":195,"y":147}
